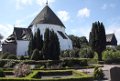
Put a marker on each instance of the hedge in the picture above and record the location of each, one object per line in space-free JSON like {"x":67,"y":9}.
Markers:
{"x":61,"y":64}
{"x":70,"y":79}
{"x":31,"y":77}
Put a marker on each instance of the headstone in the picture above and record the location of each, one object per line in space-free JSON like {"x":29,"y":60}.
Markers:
{"x":115,"y":74}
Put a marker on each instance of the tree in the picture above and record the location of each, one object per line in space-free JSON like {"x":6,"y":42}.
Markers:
{"x":83,"y":41}
{"x":54,"y":46}
{"x":86,"y":52}
{"x":97,"y":38}
{"x":57,"y":47}
{"x":118,"y":47}
{"x":36,"y":55}
{"x":51,"y":47}
{"x":38,"y":40}
{"x":1,"y":37}
{"x":78,"y":42}
{"x":31,"y":46}
{"x":45,"y":44}
{"x":75,"y":41}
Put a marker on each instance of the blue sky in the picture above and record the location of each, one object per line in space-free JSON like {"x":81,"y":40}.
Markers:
{"x":77,"y":15}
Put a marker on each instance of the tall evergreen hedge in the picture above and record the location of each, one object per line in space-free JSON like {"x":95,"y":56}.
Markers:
{"x":97,"y":38}
{"x":51,"y":47}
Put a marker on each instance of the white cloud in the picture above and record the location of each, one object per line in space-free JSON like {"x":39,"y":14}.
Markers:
{"x":112,"y":5}
{"x":63,"y":15}
{"x":21,"y":3}
{"x":18,"y":23}
{"x":43,"y":2}
{"x":106,"y":6}
{"x":22,"y":21}
{"x":7,"y":29}
{"x":84,"y":12}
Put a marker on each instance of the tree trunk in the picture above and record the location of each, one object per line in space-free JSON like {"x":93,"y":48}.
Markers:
{"x":99,"y":56}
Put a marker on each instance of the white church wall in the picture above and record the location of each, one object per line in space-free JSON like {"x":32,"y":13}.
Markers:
{"x":22,"y":47}
{"x":43,"y":27}
{"x":64,"y":43}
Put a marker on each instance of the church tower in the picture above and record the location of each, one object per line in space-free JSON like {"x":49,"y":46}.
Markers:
{"x":48,"y":19}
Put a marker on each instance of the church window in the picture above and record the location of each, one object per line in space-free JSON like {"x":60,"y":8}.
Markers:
{"x":62,"y":35}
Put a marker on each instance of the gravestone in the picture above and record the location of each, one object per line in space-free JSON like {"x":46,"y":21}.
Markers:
{"x":115,"y":74}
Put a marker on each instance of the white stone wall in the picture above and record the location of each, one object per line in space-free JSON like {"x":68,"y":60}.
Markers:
{"x":22,"y":47}
{"x":64,"y":43}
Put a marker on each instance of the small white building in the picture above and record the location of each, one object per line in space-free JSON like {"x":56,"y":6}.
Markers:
{"x":45,"y":19}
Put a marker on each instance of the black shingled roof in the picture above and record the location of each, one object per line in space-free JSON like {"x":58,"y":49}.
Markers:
{"x":109,"y":37}
{"x":22,"y":33}
{"x":47,"y":16}
{"x":10,"y":39}
{"x":19,"y":34}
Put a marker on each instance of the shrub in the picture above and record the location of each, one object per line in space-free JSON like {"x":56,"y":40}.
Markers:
{"x":2,"y":63}
{"x":70,"y":53}
{"x":86,"y":52}
{"x":36,"y":55}
{"x":72,"y":62}
{"x":4,"y":56}
{"x":65,"y":54}
{"x":9,"y":64}
{"x":11,"y":56}
{"x":111,"y":56}
{"x":22,"y":57}
{"x":2,"y":73}
{"x":98,"y":73}
{"x":22,"y":70}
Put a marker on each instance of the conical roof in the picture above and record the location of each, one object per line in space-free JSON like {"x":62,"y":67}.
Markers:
{"x":47,"y":16}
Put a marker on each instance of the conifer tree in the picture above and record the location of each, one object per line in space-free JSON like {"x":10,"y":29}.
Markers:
{"x":51,"y":48}
{"x":31,"y":45}
{"x":39,"y":40}
{"x":97,"y":38}
{"x":34,"y":41}
{"x":35,"y":55}
{"x":56,"y":47}
{"x":45,"y":49}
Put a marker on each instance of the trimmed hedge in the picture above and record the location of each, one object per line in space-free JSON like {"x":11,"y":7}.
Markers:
{"x":70,"y":79}
{"x":72,"y":62}
{"x":50,"y":64}
{"x":2,"y":74}
{"x":31,"y":77}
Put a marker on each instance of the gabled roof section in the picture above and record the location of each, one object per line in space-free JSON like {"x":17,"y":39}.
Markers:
{"x":109,"y":37}
{"x":22,"y":33}
{"x":19,"y":34}
{"x":10,"y":39}
{"x":47,"y":16}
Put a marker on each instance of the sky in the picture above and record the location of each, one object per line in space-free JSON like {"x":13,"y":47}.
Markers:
{"x":76,"y":15}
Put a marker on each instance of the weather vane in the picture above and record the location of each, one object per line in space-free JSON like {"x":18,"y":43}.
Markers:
{"x":46,"y":2}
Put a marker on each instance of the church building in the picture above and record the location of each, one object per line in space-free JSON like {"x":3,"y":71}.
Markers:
{"x":17,"y":43}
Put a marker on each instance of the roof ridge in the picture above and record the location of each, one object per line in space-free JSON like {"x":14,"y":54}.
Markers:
{"x":47,"y":16}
